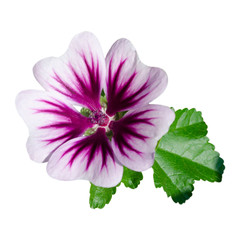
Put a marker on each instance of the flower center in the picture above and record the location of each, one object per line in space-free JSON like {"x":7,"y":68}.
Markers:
{"x":98,"y":117}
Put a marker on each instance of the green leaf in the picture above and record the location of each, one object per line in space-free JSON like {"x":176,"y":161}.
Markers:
{"x":100,"y":196}
{"x":131,"y":178}
{"x":184,"y":155}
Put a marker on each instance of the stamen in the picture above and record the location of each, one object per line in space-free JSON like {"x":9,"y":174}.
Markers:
{"x":98,"y":117}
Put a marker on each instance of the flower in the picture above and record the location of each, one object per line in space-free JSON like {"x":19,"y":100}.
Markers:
{"x":122,"y":131}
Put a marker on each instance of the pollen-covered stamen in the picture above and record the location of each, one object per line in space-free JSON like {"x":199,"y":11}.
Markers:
{"x":98,"y":117}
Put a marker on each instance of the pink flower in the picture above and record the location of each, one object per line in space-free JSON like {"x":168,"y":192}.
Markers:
{"x":57,"y":130}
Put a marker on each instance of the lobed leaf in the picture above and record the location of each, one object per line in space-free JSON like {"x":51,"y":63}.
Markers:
{"x":184,"y":155}
{"x":131,"y":178}
{"x":100,"y":196}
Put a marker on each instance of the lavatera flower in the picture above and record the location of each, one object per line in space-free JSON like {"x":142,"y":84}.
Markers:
{"x":116,"y":127}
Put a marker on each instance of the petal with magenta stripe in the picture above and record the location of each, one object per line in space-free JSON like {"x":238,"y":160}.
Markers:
{"x":50,"y":121}
{"x":130,"y":83}
{"x":77,"y":75}
{"x":90,"y":157}
{"x":136,"y":134}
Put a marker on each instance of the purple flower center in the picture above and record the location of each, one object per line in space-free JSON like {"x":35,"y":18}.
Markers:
{"x":98,"y":117}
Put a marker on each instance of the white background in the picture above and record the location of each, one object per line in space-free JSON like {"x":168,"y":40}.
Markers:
{"x":197,"y":43}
